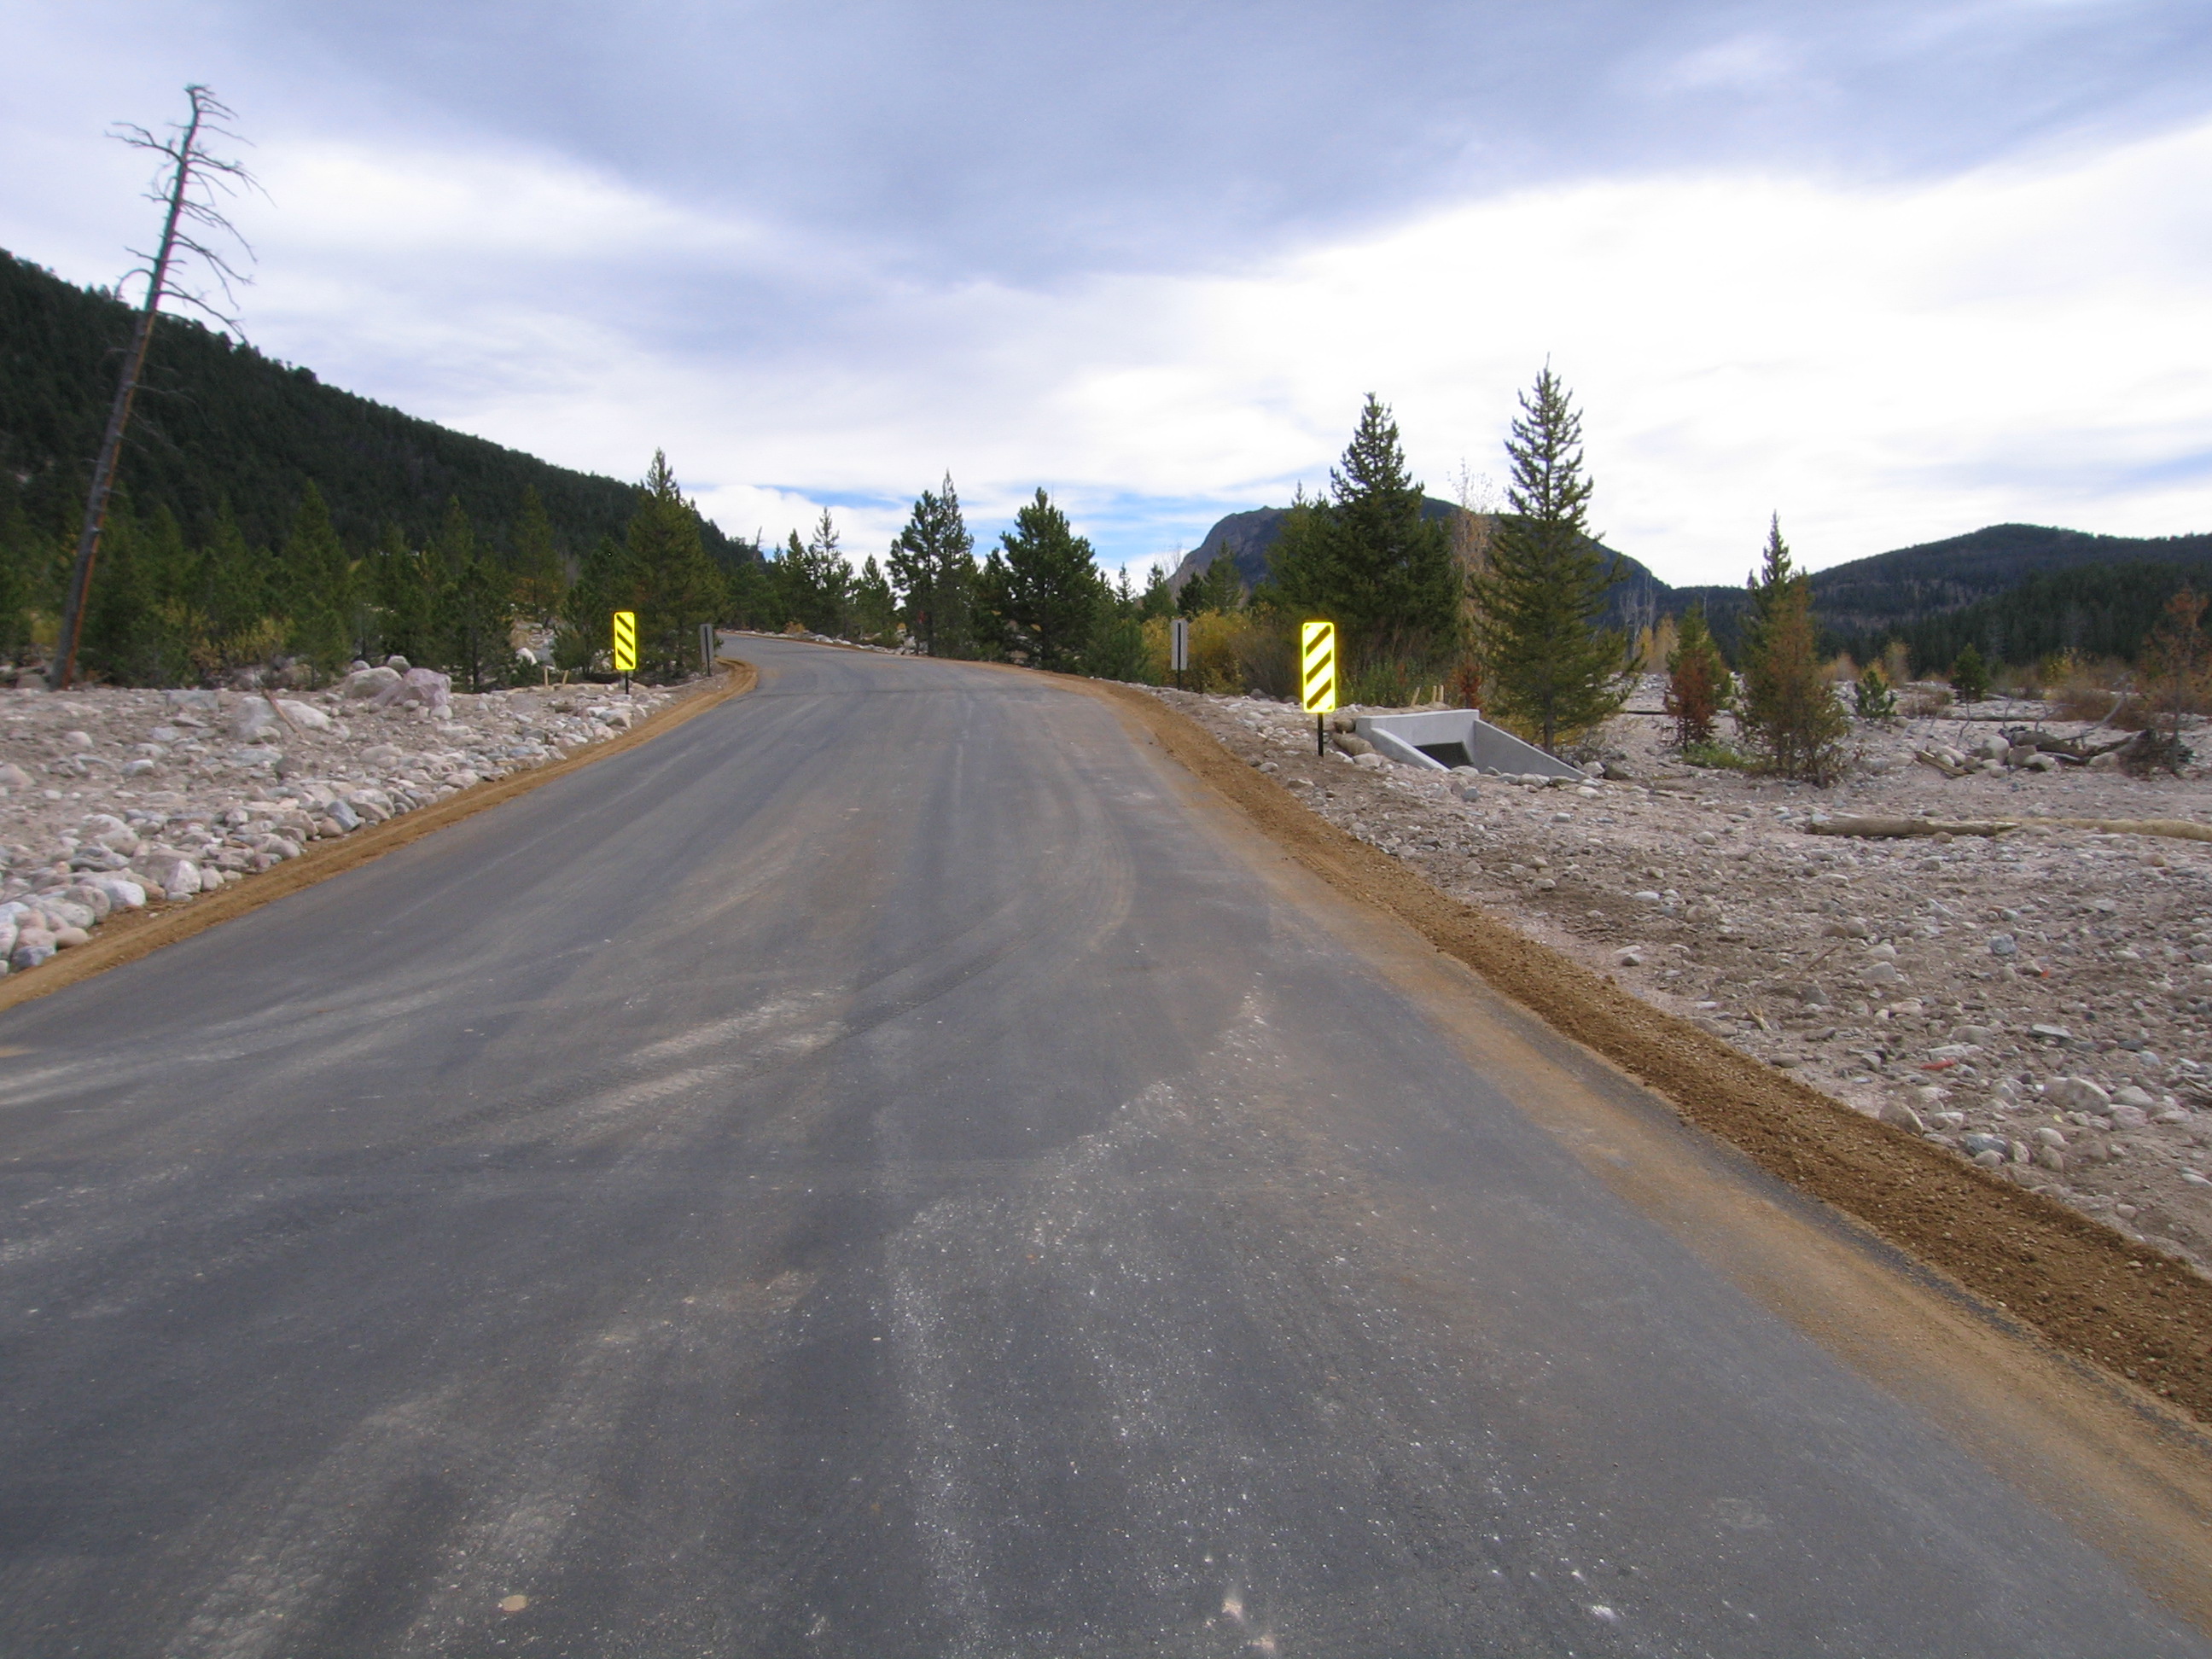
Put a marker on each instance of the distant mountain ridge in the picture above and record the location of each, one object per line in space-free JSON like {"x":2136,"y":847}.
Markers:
{"x":1902,"y":593}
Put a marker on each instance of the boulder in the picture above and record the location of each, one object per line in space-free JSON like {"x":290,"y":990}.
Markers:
{"x":174,"y":873}
{"x":419,"y":688}
{"x":13,"y":777}
{"x":369,"y":681}
{"x":2078,"y":1094}
{"x":255,"y":720}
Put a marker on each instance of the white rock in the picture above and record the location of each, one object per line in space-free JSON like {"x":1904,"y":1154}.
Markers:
{"x":255,"y":719}
{"x":306,"y":716}
{"x":2077,"y":1094}
{"x":171,"y":870}
{"x":77,"y":740}
{"x":369,"y":681}
{"x":2133,"y":1095}
{"x":14,"y":776}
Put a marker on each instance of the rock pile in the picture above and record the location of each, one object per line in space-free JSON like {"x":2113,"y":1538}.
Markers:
{"x":113,"y":800}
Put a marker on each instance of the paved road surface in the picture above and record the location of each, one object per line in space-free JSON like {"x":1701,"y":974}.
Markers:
{"x":885,"y":1170}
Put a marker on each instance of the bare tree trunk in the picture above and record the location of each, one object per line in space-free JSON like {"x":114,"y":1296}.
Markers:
{"x":118,"y":415}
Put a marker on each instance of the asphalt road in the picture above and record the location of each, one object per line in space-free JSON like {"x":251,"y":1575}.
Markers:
{"x":885,"y":1170}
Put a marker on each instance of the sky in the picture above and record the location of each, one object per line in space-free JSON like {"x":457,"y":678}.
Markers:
{"x":1890,"y":270}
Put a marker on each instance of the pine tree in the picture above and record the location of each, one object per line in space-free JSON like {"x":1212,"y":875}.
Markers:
{"x":1157,"y":599}
{"x":932,"y":566}
{"x":603,"y":586}
{"x":1217,"y":588}
{"x":815,"y":579}
{"x":1697,"y":680}
{"x":675,"y":585}
{"x":405,"y":586}
{"x":476,"y":614}
{"x":317,"y":587}
{"x":539,"y":581}
{"x":874,"y":613}
{"x":1365,"y":559}
{"x":1789,"y":708}
{"x":1970,"y":676}
{"x":1550,"y":669}
{"x":1873,"y":696}
{"x":1041,"y":588}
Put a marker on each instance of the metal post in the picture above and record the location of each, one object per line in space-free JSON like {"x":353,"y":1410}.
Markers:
{"x":1320,"y":737}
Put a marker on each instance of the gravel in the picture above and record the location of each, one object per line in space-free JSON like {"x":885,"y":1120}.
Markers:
{"x":114,"y":799}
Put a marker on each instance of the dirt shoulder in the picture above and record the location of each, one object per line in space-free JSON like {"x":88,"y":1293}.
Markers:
{"x":2093,"y":1292}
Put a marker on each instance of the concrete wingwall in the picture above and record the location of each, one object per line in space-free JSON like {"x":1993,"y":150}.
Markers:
{"x":1404,"y":738}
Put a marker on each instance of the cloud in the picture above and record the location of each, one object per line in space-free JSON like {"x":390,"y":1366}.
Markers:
{"x":1152,"y":258}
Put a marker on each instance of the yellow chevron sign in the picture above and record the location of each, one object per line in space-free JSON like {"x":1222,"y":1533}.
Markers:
{"x":625,"y":641}
{"x":1317,"y":651}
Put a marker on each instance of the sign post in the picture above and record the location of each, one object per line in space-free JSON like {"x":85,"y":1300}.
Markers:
{"x":707,"y":648}
{"x":625,"y":647}
{"x":1178,"y":647}
{"x":1317,"y":677}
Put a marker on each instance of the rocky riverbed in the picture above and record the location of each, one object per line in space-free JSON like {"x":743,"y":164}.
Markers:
{"x":114,"y":799}
{"x":2040,"y":1002}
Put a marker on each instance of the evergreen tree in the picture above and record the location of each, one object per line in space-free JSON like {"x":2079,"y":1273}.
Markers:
{"x":1697,"y":680}
{"x":1117,"y":649}
{"x":602,"y":587}
{"x":874,"y":613}
{"x":406,"y":587}
{"x":1157,"y":599}
{"x":815,"y":579}
{"x":539,"y":581}
{"x":1550,"y":669}
{"x":1873,"y":696}
{"x":1970,"y":676}
{"x":932,"y":567}
{"x":1217,"y":588}
{"x":316,"y":577}
{"x":1365,"y":559}
{"x":1789,"y":708}
{"x":675,"y":585}
{"x":121,"y":641}
{"x":476,"y":614}
{"x":1041,"y":589}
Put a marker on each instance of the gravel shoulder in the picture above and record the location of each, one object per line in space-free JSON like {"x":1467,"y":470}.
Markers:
{"x":1868,"y":1020}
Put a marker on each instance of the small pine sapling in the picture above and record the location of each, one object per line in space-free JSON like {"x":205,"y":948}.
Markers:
{"x":1698,"y":687}
{"x":1970,"y":676}
{"x":1875,"y":699}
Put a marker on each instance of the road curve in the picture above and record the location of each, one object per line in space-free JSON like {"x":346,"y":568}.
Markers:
{"x":886,"y":1169}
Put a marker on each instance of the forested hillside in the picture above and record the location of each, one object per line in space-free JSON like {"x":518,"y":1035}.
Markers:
{"x":218,"y":422}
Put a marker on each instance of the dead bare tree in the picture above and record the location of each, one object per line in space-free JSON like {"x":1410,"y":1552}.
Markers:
{"x":186,"y":187}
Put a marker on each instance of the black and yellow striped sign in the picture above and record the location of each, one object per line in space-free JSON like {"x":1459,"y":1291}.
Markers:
{"x":1317,"y":653}
{"x":625,"y":641}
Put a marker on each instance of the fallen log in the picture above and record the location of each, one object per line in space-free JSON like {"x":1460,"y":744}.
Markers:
{"x":1903,"y":828}
{"x":1900,"y":829}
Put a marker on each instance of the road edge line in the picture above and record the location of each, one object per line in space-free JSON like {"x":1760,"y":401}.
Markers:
{"x":127,"y":937}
